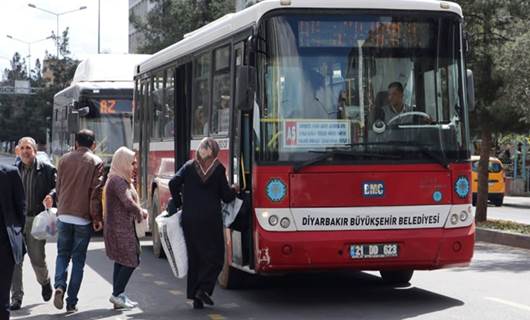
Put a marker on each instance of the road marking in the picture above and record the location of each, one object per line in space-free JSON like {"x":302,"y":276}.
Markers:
{"x":509,"y":303}
{"x":160,"y":283}
{"x":215,"y":316}
{"x":176,"y":292}
{"x":147,"y":275}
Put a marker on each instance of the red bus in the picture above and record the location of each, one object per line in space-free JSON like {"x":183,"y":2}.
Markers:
{"x":298,"y":94}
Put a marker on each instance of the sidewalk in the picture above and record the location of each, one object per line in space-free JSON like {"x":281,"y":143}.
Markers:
{"x":517,"y":202}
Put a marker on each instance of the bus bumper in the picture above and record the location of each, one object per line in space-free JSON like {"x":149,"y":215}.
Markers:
{"x":418,"y":249}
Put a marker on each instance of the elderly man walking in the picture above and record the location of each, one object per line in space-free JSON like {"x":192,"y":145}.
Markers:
{"x":78,"y":178}
{"x":38,"y":179}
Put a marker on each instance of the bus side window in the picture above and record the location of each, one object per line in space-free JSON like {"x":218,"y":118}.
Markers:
{"x":201,"y":95}
{"x":158,"y":104}
{"x":221,"y":91}
{"x":168,"y":113}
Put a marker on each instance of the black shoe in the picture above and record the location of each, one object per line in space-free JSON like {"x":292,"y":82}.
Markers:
{"x":15,"y":305}
{"x":197,"y":304}
{"x":47,"y":291}
{"x":204,"y":297}
{"x":71,"y":308}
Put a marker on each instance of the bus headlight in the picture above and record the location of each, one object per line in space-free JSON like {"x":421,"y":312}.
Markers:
{"x":285,"y":223}
{"x":463,"y":216}
{"x":273,"y":220}
{"x":454,"y":218}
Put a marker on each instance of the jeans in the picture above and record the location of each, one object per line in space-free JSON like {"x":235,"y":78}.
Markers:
{"x":37,"y":257}
{"x":72,"y":243}
{"x":120,"y":278}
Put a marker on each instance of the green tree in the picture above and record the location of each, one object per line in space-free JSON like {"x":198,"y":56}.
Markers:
{"x":492,"y":25}
{"x":169,"y":20}
{"x":30,"y":115}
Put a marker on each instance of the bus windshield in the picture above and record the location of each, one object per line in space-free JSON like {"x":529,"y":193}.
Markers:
{"x":112,"y":131}
{"x":375,"y":87}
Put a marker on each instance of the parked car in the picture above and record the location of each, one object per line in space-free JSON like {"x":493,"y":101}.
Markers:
{"x":496,"y":180}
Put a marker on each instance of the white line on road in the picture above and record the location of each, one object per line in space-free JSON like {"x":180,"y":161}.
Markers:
{"x":509,"y":303}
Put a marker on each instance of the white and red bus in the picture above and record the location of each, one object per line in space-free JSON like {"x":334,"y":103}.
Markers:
{"x":294,"y":91}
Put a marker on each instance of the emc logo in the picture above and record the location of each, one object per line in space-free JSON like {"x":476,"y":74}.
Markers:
{"x":374,"y":189}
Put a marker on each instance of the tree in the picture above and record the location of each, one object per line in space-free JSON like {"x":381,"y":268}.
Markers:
{"x":29,"y":115}
{"x":491,"y":26}
{"x":169,"y":20}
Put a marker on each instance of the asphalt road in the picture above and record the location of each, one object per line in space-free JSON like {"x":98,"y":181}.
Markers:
{"x":495,"y":286}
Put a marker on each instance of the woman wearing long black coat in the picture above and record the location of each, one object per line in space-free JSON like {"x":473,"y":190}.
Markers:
{"x":201,"y":184}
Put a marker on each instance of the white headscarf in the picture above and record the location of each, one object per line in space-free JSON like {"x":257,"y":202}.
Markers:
{"x":121,"y":164}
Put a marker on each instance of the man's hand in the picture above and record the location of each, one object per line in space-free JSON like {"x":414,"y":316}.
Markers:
{"x":236,"y":187}
{"x":97,"y":225}
{"x":47,"y":202}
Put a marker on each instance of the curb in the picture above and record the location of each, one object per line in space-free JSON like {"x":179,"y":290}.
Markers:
{"x":503,"y":237}
{"x":517,"y":205}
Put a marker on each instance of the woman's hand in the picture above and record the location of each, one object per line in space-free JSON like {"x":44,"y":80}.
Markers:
{"x":236,"y":187}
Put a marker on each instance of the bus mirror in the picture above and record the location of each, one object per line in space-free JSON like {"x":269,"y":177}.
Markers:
{"x":245,"y":87}
{"x":470,"y":90}
{"x":73,"y":121}
{"x":83,"y":112}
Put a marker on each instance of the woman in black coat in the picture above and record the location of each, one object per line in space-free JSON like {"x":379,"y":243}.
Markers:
{"x":202,"y":184}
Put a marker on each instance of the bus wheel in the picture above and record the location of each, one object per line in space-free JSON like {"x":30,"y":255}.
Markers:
{"x":396,"y":277}
{"x":157,"y":244}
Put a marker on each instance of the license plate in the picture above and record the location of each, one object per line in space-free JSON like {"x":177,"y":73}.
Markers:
{"x":359,"y":251}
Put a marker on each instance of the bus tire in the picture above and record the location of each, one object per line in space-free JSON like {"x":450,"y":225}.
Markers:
{"x":396,"y":277}
{"x":157,"y":244}
{"x":498,"y":201}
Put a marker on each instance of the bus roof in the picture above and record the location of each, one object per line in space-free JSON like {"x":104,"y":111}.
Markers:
{"x":235,"y":22}
{"x":108,"y":67}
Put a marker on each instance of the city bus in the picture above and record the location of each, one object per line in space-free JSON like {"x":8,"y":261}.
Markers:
{"x":293,"y":92}
{"x":99,"y":98}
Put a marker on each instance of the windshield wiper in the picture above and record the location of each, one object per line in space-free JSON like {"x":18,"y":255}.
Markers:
{"x":440,"y":158}
{"x":323,"y":155}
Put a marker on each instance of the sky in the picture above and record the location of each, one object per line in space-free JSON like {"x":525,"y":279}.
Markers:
{"x":28,"y":24}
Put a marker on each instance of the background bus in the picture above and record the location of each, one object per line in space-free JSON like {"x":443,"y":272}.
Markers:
{"x":291,"y":90}
{"x":99,"y":98}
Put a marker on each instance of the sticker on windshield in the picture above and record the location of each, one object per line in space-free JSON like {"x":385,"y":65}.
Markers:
{"x":316,"y":133}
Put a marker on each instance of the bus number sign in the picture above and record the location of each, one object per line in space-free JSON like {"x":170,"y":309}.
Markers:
{"x":107,"y":106}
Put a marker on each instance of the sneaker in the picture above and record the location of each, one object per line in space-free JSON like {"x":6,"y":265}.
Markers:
{"x":119,"y":302}
{"x":47,"y":291}
{"x":70,"y":308}
{"x":58,"y":298}
{"x":197,"y":304}
{"x":204,"y":297}
{"x":129,"y":301}
{"x":15,"y":305}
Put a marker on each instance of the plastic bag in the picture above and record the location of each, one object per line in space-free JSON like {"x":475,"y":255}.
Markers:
{"x":230,"y":211}
{"x":44,"y":225}
{"x":141,"y":228}
{"x":173,"y":242}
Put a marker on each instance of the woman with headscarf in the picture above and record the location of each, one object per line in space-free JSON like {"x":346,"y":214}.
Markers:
{"x":200,"y":185}
{"x":120,"y":210}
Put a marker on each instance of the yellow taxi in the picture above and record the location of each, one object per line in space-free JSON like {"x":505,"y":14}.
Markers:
{"x":496,"y":180}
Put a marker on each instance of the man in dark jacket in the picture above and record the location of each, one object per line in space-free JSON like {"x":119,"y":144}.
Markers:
{"x":38,"y":179}
{"x":12,"y":207}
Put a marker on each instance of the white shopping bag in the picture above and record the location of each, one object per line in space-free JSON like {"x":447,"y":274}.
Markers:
{"x":140,"y":228}
{"x":44,"y":225}
{"x":173,"y":242}
{"x":230,"y":211}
